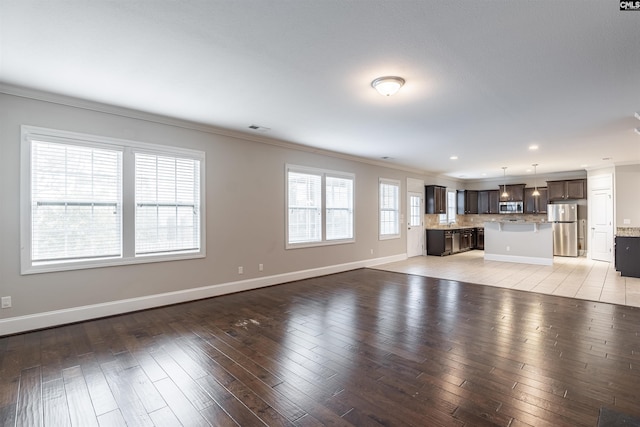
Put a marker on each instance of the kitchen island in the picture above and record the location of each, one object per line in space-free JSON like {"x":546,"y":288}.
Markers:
{"x":518,"y":241}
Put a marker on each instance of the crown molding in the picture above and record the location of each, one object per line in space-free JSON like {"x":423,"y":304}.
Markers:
{"x":84,"y":104}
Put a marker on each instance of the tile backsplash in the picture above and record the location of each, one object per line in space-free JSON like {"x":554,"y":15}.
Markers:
{"x":476,"y":220}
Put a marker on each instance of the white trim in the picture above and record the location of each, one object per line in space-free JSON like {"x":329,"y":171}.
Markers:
{"x":128,"y":148}
{"x":518,"y":259}
{"x":323,"y":174}
{"x":14,"y":325}
{"x":83,"y":104}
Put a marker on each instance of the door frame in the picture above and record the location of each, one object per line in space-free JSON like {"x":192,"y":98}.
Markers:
{"x":415,"y":186}
{"x":602,"y":182}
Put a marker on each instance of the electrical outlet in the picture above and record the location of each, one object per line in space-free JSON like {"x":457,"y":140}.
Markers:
{"x":508,"y":248}
{"x":260,"y":267}
{"x":6,"y":302}
{"x":240,"y":270}
{"x":371,"y":251}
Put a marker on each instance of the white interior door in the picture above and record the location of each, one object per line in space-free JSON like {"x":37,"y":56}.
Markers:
{"x":601,"y":219}
{"x":415,"y":228}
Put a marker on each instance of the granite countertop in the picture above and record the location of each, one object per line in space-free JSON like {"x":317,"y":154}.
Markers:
{"x":628,"y":232}
{"x":453,"y":227}
{"x":519,"y":221}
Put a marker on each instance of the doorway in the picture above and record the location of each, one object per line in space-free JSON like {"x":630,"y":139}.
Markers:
{"x":415,"y":227}
{"x":601,"y":218}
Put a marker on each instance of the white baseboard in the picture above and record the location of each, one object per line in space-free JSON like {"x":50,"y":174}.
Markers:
{"x":519,"y":259}
{"x":13,"y":325}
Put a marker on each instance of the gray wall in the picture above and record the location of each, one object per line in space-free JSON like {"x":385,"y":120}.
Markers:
{"x":627,"y":191}
{"x":245,"y":213}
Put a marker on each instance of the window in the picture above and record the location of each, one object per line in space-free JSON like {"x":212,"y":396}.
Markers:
{"x":319,"y":207}
{"x":415,"y":216}
{"x":450,"y":216}
{"x":167,"y":204}
{"x":389,"y":204}
{"x":90,"y":201}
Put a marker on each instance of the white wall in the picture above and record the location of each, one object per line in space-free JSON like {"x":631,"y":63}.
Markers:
{"x":245,"y":221}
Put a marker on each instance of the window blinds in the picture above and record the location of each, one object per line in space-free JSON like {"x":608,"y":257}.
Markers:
{"x":305,"y":207}
{"x":389,"y":208}
{"x":76,"y":202}
{"x":339,"y":211}
{"x":167,"y":195}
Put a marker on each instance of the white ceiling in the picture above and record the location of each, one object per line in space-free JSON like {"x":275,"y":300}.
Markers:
{"x":485,"y":79}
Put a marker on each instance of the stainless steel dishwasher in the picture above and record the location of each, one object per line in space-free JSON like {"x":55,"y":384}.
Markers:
{"x":455,"y":243}
{"x":448,"y":242}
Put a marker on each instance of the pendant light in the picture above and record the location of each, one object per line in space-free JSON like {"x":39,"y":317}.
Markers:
{"x":535,"y":193}
{"x":504,"y":194}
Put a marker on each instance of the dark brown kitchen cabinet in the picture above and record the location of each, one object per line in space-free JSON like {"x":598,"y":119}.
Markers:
{"x":450,"y":241}
{"x":515,"y":193}
{"x":628,"y":256}
{"x":467,"y":202}
{"x":572,"y":189}
{"x":467,"y":239}
{"x":535,"y":204}
{"x":436,"y":197}
{"x":488,"y":201}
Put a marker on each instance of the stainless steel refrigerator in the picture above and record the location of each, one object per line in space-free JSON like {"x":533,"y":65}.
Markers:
{"x":564,"y":217}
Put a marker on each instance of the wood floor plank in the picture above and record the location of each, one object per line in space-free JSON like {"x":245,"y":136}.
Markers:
{"x":101,"y":395}
{"x":29,"y":407}
{"x":363,"y":347}
{"x":184,"y":411}
{"x":55,"y":406}
{"x":78,"y":398}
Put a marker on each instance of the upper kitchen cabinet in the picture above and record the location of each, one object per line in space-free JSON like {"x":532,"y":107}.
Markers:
{"x":515,"y":193}
{"x":572,"y":189}
{"x":467,"y":202}
{"x":436,"y":197}
{"x":535,"y":204}
{"x":488,"y":202}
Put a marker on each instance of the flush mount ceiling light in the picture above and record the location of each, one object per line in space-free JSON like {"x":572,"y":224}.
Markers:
{"x":535,"y":193}
{"x":388,"y":85}
{"x":504,"y":194}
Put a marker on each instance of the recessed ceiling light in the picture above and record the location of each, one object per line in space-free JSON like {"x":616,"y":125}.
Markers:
{"x":484,"y":174}
{"x":584,"y":165}
{"x":528,"y":170}
{"x":453,"y":158}
{"x":533,"y":147}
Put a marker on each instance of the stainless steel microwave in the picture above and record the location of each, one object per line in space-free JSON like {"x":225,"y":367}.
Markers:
{"x":510,"y":207}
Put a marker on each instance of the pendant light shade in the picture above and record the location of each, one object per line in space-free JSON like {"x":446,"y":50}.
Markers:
{"x":504,"y":194}
{"x":535,"y":193}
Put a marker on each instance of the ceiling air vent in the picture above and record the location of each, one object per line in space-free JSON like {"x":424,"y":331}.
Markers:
{"x":259,"y":128}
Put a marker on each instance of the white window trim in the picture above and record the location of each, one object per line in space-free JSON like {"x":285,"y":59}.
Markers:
{"x":323,"y":235}
{"x":398,"y":184}
{"x":128,"y":149}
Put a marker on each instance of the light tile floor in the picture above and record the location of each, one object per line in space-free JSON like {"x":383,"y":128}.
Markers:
{"x":569,"y":277}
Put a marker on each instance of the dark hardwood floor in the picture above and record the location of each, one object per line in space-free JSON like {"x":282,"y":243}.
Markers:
{"x":362,"y":348}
